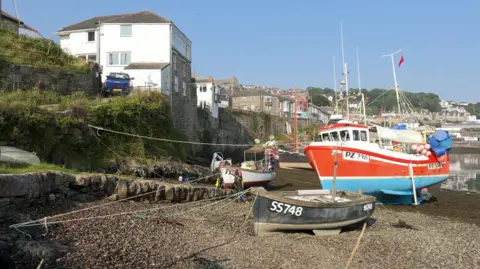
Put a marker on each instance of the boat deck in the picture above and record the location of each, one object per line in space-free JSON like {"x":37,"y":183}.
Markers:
{"x":318,"y":198}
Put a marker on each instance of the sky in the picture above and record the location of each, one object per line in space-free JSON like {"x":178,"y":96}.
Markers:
{"x":287,"y":44}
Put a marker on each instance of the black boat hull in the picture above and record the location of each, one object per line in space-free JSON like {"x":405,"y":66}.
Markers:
{"x":281,"y":213}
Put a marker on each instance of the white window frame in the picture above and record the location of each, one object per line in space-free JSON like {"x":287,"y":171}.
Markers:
{"x":126,"y":35}
{"x":119,"y":54}
{"x":176,"y":84}
{"x":184,"y":87}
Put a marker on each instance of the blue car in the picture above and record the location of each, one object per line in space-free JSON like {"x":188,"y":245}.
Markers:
{"x":117,"y":83}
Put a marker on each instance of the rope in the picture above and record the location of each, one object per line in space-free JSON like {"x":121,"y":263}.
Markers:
{"x":167,"y":140}
{"x":41,"y":221}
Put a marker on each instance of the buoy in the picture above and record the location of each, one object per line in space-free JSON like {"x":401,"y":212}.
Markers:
{"x":424,"y":152}
{"x":429,"y":153}
{"x":217,"y":184}
{"x":180,"y":178}
{"x":421,"y":147}
{"x":428,"y":147}
{"x":414,"y":147}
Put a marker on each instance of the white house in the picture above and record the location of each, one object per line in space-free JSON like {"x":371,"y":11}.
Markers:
{"x":208,"y":95}
{"x":148,"y":47}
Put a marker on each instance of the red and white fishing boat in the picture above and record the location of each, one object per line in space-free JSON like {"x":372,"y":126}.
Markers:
{"x":366,"y":165}
{"x":251,"y":173}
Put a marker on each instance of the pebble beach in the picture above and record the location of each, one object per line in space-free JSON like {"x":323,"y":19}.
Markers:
{"x":221,"y":236}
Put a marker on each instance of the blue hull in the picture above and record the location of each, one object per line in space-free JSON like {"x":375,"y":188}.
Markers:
{"x":387,"y":190}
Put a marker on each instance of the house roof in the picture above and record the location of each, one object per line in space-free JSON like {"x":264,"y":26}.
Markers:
{"x":253,"y":93}
{"x":139,"y":17}
{"x":227,"y":81}
{"x":9,"y":17}
{"x":155,"y":65}
{"x":285,"y":98}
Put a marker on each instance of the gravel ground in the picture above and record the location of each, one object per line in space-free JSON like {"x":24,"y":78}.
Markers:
{"x":214,"y":237}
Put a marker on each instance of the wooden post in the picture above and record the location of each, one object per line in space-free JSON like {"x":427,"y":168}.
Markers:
{"x":335,"y":167}
{"x":414,"y":188}
{"x":295,"y":123}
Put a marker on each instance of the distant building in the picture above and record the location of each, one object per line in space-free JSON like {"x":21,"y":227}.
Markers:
{"x":208,"y":95}
{"x":10,"y":22}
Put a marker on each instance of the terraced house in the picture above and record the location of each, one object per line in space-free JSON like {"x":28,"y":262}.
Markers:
{"x":263,"y":101}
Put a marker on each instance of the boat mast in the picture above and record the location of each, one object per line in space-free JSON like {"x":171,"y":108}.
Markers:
{"x":360,"y":90}
{"x":345,"y":72}
{"x":395,"y":78}
{"x":295,"y":122}
{"x":335,"y":85}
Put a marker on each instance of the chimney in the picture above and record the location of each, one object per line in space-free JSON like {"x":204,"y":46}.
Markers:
{"x":210,"y":79}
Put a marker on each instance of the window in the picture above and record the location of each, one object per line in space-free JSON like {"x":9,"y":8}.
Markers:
{"x":335,"y":136}
{"x":245,"y":107}
{"x":185,"y":69}
{"x":344,"y":135}
{"x":92,"y":58}
{"x":204,"y":89}
{"x":184,"y":87}
{"x":363,"y":135}
{"x":119,"y":58}
{"x":175,"y":86}
{"x":325,"y":137}
{"x":356,"y":135}
{"x":174,"y":62}
{"x":91,"y":36}
{"x":126,"y":30}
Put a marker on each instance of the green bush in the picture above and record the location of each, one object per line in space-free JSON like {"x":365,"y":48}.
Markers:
{"x":56,"y":127}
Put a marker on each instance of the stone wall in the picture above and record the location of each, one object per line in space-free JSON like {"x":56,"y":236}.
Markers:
{"x":20,"y":190}
{"x":237,"y":127}
{"x":14,"y":77}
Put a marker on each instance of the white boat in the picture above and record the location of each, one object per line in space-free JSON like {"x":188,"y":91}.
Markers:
{"x":252,"y":173}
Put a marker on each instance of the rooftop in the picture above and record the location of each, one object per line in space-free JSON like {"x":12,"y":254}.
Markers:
{"x":139,"y":17}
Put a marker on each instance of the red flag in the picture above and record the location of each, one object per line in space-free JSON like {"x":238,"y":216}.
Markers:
{"x":401,"y":61}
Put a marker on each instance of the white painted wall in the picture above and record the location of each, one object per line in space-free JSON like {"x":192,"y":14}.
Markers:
{"x":148,"y":43}
{"x":204,"y":97}
{"x":76,"y":43}
{"x":208,"y":97}
{"x":144,"y":77}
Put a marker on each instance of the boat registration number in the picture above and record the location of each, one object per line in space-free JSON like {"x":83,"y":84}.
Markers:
{"x":279,"y":207}
{"x":435,"y":165}
{"x":355,"y":156}
{"x":367,"y":207}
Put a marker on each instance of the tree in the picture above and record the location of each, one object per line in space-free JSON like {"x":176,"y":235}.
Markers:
{"x":387,"y":99}
{"x":320,"y":100}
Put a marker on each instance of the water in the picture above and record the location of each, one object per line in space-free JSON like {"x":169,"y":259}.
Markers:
{"x":464,"y":173}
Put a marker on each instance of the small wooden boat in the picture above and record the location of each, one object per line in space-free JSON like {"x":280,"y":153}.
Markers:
{"x":322,"y":211}
{"x":251,"y":173}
